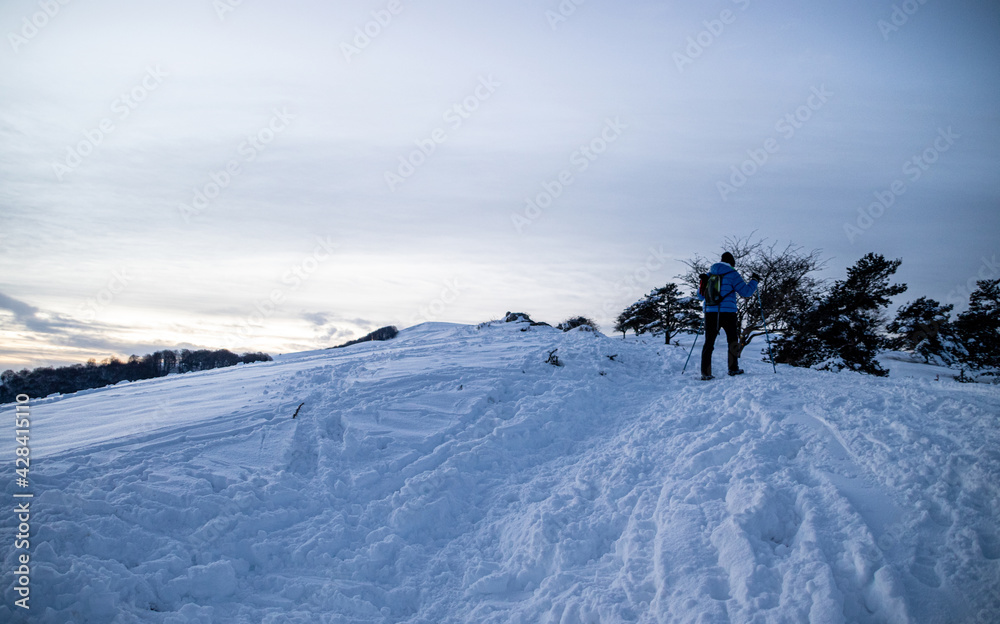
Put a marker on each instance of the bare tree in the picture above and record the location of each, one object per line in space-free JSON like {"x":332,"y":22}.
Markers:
{"x":786,"y":281}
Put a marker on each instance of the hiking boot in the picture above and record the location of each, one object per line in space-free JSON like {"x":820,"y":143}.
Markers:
{"x":707,"y":378}
{"x":738,"y":371}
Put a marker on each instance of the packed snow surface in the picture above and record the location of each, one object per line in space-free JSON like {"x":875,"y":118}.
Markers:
{"x":452,"y":475}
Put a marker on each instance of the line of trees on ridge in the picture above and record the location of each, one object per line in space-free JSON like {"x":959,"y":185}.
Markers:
{"x":831,"y":326}
{"x":41,"y":382}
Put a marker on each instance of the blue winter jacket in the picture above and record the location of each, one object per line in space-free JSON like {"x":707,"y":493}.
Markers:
{"x":732,"y":283}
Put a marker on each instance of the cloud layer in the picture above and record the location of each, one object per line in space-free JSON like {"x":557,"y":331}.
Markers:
{"x":202,"y":152}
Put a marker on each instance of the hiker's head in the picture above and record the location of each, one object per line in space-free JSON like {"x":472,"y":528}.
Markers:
{"x":729,"y":259}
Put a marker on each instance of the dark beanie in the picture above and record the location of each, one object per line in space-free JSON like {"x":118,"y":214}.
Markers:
{"x":729,"y":259}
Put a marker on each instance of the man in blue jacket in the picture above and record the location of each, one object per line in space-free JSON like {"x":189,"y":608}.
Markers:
{"x":724,"y":315}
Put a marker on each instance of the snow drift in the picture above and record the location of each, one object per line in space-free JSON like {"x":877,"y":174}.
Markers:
{"x":451,"y":475}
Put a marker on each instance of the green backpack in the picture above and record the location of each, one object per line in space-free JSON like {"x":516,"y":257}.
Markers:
{"x":710,"y":288}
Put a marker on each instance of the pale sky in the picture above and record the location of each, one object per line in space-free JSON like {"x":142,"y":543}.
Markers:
{"x":265,"y":176}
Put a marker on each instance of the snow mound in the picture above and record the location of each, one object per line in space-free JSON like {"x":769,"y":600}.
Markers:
{"x":451,"y":475}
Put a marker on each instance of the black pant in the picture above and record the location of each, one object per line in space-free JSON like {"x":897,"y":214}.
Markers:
{"x":713,"y":322}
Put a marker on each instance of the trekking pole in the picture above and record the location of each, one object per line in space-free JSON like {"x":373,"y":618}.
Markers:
{"x":766,"y":335}
{"x":696,"y":334}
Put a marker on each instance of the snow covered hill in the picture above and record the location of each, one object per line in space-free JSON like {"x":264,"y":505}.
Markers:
{"x":451,"y":475}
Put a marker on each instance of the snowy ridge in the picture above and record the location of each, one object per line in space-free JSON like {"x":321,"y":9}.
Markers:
{"x":450,"y":475}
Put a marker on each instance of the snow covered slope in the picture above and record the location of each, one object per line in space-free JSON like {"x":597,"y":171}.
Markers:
{"x":451,"y":475}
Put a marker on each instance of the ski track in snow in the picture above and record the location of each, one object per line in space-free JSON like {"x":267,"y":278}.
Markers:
{"x":451,"y":475}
